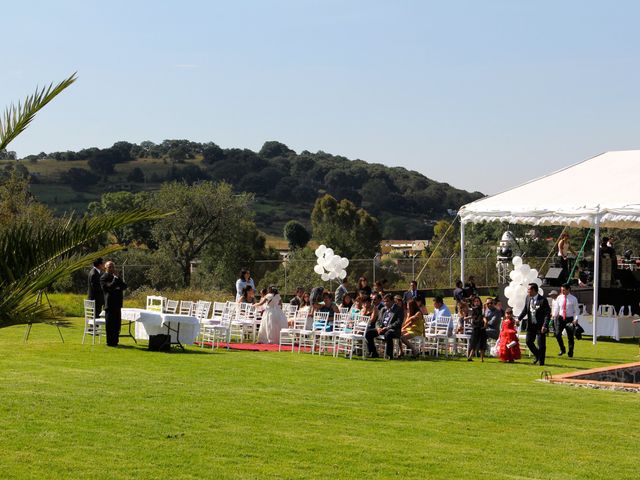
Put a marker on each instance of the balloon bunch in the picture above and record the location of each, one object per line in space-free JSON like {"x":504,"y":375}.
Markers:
{"x":521,"y":276}
{"x":330,"y":266}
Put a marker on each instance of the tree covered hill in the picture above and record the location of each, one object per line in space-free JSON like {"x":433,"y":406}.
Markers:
{"x":285,"y":183}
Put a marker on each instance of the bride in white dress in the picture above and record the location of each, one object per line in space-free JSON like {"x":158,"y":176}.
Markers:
{"x":273,"y":318}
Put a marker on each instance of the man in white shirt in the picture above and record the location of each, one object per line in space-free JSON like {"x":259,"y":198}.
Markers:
{"x":441,"y":310}
{"x":565,"y":315}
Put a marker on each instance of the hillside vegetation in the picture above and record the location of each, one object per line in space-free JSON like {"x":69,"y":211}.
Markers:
{"x":285,"y":183}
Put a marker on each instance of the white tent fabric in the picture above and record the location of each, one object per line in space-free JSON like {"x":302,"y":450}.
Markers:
{"x":607,"y":185}
{"x":599,"y":192}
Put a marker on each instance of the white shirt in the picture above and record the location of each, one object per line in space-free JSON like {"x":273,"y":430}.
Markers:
{"x":572,"y":306}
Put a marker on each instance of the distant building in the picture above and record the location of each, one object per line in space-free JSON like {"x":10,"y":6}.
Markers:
{"x":407,"y":247}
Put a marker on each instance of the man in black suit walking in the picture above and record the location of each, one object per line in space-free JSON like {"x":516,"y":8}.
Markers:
{"x":537,"y":313}
{"x":95,"y":290}
{"x":112,"y":286}
{"x":389,"y":324}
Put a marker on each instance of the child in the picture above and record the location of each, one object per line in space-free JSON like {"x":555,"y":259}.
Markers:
{"x":508,"y":345}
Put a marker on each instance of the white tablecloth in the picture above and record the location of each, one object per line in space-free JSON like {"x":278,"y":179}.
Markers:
{"x":154,"y":323}
{"x":615,"y":327}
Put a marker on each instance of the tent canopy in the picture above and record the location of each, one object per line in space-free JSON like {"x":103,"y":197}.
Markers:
{"x":607,"y":185}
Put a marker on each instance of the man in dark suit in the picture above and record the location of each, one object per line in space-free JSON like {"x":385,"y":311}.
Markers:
{"x":112,"y":286}
{"x":95,"y":290}
{"x":389,"y":324}
{"x":410,"y":294}
{"x":537,"y":313}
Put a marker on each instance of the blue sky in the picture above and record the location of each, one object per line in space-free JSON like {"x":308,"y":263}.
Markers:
{"x":483,"y":95}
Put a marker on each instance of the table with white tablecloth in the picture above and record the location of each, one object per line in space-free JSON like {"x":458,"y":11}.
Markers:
{"x":184,"y":329}
{"x":615,"y":327}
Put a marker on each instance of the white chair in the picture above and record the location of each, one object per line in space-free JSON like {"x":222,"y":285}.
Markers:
{"x":353,"y":337}
{"x":216,"y":313}
{"x":171,"y":306}
{"x":246,"y":321}
{"x":606,"y":310}
{"x":289,"y":336}
{"x":92,"y":326}
{"x":327,"y":340}
{"x":156,"y":303}
{"x":308,"y":337}
{"x":185,"y":307}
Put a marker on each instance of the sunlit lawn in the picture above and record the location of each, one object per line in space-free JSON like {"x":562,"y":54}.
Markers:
{"x":74,"y":411}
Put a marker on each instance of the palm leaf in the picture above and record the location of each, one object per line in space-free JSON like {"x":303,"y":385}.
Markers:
{"x":31,"y":259}
{"x":17,"y":118}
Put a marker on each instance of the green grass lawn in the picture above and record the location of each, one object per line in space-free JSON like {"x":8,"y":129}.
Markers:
{"x":74,"y":411}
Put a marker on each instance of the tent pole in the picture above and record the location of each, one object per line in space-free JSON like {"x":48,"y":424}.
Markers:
{"x":596,"y":275}
{"x":462,"y":250}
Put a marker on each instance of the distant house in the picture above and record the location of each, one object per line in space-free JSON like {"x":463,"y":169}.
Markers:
{"x":407,"y":247}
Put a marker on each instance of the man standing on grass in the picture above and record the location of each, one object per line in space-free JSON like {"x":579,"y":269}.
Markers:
{"x":112,"y":286}
{"x":341,"y":291}
{"x":565,"y":315}
{"x":538,"y":313}
{"x":95,"y":290}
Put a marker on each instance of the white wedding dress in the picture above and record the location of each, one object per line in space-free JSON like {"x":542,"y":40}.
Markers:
{"x":273,"y":320}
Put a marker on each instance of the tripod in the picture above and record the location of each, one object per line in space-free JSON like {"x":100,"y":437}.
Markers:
{"x":39,"y":296}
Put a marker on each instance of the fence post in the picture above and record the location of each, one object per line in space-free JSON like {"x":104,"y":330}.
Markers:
{"x":451,"y":269}
{"x":486,"y":269}
{"x":285,"y":274}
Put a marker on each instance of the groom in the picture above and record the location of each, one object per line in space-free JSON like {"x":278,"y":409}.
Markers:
{"x":537,"y":312}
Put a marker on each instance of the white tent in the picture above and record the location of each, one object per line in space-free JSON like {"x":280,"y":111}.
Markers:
{"x":603,"y":191}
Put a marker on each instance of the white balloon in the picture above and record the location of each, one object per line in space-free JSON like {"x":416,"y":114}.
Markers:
{"x":320,"y":251}
{"x":344,"y":263}
{"x":334,"y":261}
{"x":524,"y":269}
{"x":325,"y":277}
{"x":540,"y":291}
{"x":510,"y":302}
{"x":517,"y":261}
{"x":328,"y":252}
{"x":318,"y":269}
{"x":538,"y":282}
{"x":507,"y":291}
{"x":513,"y":274}
{"x":342,"y":274}
{"x":326,"y":261}
{"x":333,"y":275}
{"x":535,"y":272}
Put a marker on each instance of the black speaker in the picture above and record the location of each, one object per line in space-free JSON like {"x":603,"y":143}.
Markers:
{"x":553,"y":277}
{"x":160,"y":343}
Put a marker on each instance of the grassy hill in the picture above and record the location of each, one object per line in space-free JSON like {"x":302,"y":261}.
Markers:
{"x":284,"y":182}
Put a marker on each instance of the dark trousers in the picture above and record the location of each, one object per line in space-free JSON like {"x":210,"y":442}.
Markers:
{"x":564,"y":264}
{"x":113,"y":321}
{"x":389,"y":335}
{"x":539,"y":351}
{"x":562,"y":325}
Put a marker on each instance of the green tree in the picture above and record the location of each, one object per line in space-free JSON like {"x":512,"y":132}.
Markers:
{"x":296,"y":235}
{"x":136,"y":175}
{"x":79,"y":178}
{"x":204,"y":213}
{"x":349,"y":230}
{"x":118,"y":202}
{"x":18,"y":206}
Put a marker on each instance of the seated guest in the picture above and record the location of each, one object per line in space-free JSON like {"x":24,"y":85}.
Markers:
{"x":389,"y":324}
{"x":377,"y":301}
{"x":508,"y":344}
{"x":378,"y":288}
{"x":470,"y":289}
{"x":441,"y":310}
{"x":297,"y":300}
{"x":248,"y":295}
{"x":398,"y":299}
{"x":498,"y":303}
{"x":305,"y":302}
{"x":422,"y":305}
{"x":413,"y":325}
{"x":357,"y":305}
{"x":329,"y":306}
{"x":369,"y":310}
{"x":464,"y":317}
{"x":347,"y":301}
{"x":493,"y":317}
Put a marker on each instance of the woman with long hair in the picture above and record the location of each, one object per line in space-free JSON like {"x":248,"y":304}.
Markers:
{"x":244,"y":280}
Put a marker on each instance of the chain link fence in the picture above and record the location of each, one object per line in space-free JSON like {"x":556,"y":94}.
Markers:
{"x":394,"y":273}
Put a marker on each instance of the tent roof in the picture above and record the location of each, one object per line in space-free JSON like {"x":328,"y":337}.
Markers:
{"x":608,"y":184}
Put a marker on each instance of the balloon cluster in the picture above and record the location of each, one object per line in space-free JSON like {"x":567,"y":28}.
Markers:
{"x":521,"y":276}
{"x":330,"y":266}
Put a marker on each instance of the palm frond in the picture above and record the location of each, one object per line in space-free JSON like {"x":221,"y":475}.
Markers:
{"x":17,"y":118}
{"x":31,"y":259}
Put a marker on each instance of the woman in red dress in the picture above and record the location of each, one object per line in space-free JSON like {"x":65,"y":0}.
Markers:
{"x":509,"y":347}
